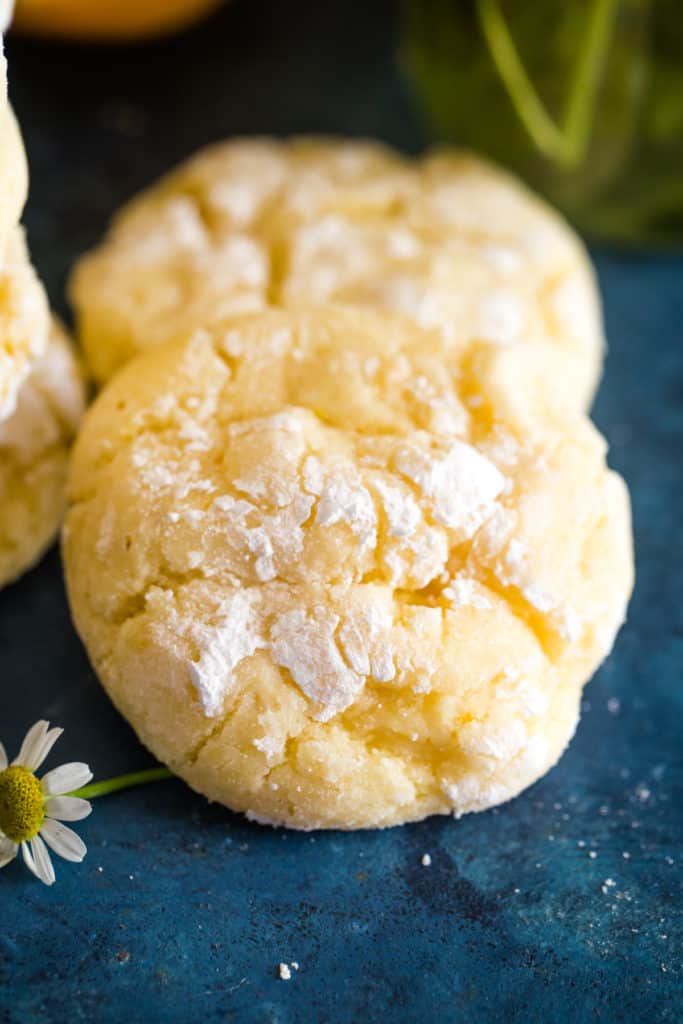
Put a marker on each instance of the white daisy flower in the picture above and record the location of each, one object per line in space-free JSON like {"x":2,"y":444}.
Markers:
{"x":32,"y":810}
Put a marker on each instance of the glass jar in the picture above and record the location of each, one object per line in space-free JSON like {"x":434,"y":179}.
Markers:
{"x":583,"y":98}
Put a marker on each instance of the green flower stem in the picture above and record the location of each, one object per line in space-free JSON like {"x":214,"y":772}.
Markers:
{"x":588,"y":72}
{"x":567,"y":143}
{"x":530,"y":110}
{"x":96,"y":789}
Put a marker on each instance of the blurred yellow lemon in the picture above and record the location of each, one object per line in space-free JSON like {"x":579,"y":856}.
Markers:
{"x":108,"y":19}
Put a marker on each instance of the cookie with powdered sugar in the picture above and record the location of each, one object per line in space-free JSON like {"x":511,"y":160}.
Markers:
{"x":35,"y":439}
{"x":327,"y":583}
{"x":450,"y":241}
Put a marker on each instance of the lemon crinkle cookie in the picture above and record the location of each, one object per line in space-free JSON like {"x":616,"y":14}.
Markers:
{"x":41,"y":386}
{"x":35,"y":439}
{"x":450,"y":241}
{"x":326,"y":584}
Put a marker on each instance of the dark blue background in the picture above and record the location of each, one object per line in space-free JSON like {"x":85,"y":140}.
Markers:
{"x":182,"y":911}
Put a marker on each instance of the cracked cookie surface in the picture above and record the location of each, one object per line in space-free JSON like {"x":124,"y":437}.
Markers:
{"x":34,"y":446}
{"x":326,"y":583}
{"x":449,"y":241}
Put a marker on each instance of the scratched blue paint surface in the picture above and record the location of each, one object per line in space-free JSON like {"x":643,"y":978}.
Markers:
{"x":182,"y":911}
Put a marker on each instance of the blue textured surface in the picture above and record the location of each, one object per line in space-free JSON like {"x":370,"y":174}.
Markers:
{"x":182,"y":911}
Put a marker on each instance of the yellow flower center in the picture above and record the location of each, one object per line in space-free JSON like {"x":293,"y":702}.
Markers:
{"x":22,"y":804}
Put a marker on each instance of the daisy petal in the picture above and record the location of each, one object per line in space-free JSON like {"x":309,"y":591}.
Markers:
{"x":28,"y":859}
{"x":67,"y":808}
{"x":3,"y":758}
{"x":39,"y":741}
{"x":42,"y":861}
{"x":31,"y":860}
{"x":63,"y":841}
{"x":33,"y":743}
{"x":8,"y":851}
{"x":66,"y":778}
{"x":48,"y":743}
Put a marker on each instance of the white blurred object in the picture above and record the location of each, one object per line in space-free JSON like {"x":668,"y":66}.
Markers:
{"x":6,"y":12}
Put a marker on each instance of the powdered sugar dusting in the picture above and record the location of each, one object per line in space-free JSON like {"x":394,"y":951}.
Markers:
{"x":366,"y":642}
{"x":222,"y":647}
{"x":466,"y":593}
{"x":305,"y":643}
{"x":500,"y":318}
{"x":461,"y":484}
{"x":350,"y":502}
{"x":267,"y":536}
{"x":402,"y":511}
